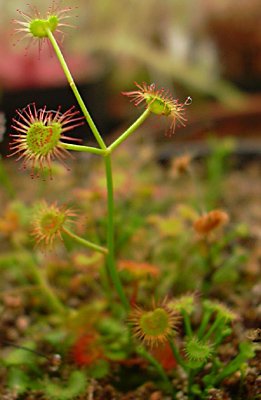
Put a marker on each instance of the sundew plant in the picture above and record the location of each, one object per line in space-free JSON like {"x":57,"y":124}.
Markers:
{"x":130,"y":333}
{"x":39,"y":134}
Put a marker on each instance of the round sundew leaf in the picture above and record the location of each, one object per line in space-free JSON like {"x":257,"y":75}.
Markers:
{"x":197,"y":350}
{"x":38,"y":27}
{"x":42,"y":139}
{"x":158,"y":106}
{"x":38,"y":136}
{"x":154,"y":322}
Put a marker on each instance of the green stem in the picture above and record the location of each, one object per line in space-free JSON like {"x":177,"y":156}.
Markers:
{"x":75,"y":90}
{"x":214,"y":326}
{"x":85,"y":242}
{"x":54,"y":303}
{"x":204,"y":323}
{"x":143,"y":353}
{"x":230,"y":368}
{"x":221,"y":371}
{"x":84,"y":149}
{"x":129,"y":131}
{"x":191,"y":376}
{"x":187,"y":324}
{"x":176,"y":354}
{"x":106,"y":284}
{"x":110,"y":236}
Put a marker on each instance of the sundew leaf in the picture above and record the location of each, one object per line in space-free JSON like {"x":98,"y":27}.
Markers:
{"x":76,"y":384}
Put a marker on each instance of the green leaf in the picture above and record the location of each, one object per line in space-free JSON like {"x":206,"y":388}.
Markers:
{"x":18,"y":380}
{"x":21,"y":356}
{"x":76,"y":385}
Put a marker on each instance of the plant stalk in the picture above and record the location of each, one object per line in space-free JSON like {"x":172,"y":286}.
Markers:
{"x":75,"y":90}
{"x":129,"y":131}
{"x":216,"y":324}
{"x":187,"y":324}
{"x":112,"y":270}
{"x":204,"y":323}
{"x":85,"y":242}
{"x":176,"y":354}
{"x":82,"y":148}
